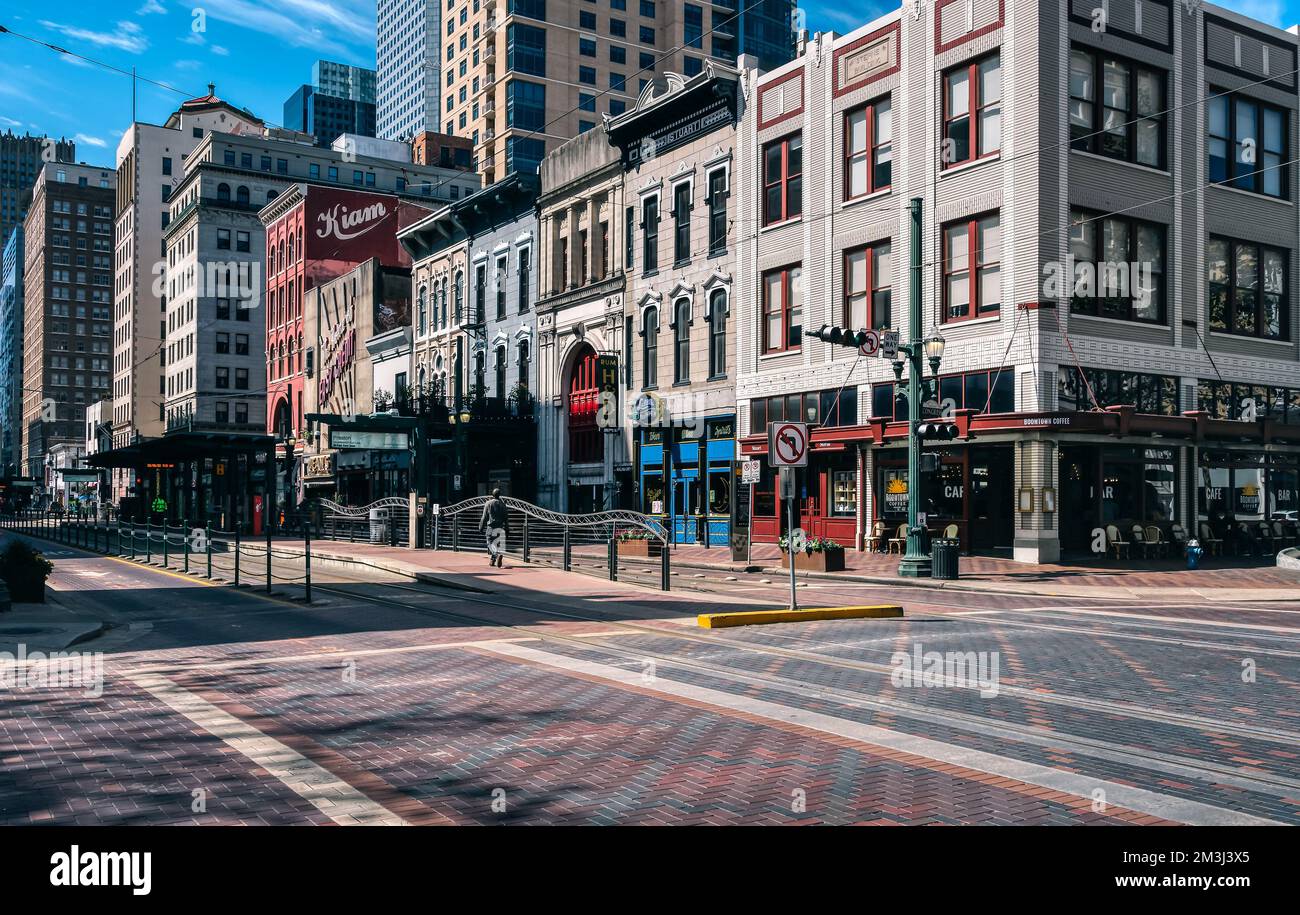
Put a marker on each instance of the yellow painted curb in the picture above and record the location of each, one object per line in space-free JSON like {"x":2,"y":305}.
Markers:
{"x":762,"y":617}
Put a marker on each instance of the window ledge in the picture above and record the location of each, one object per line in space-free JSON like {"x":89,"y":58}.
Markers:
{"x":1163,"y":172}
{"x":1225,"y":335}
{"x":874,"y":195}
{"x":777,"y":354}
{"x":1253,"y":195}
{"x":772,"y":226}
{"x":1123,"y":322}
{"x":967,"y":322}
{"x":974,"y":163}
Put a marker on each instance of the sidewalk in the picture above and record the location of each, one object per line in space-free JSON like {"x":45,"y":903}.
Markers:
{"x":1226,"y":579}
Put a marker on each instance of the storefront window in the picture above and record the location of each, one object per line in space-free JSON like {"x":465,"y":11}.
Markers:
{"x":818,"y":407}
{"x":652,"y":493}
{"x":893,"y":493}
{"x":1156,"y":394}
{"x":1248,"y":493}
{"x":945,"y":492}
{"x":719,"y":493}
{"x":844,"y":493}
{"x":1283,"y":493}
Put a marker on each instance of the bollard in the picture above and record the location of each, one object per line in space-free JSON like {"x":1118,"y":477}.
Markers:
{"x":148,"y":540}
{"x":268,"y":559}
{"x":435,"y":533}
{"x":207,"y":539}
{"x":525,"y":545}
{"x":568,"y":555}
{"x":306,"y":547}
{"x":185,"y":541}
{"x":664,"y":572}
{"x":165,"y":527}
{"x":455,"y":533}
{"x":613,"y":556}
{"x":236,"y":555}
{"x":132,"y":524}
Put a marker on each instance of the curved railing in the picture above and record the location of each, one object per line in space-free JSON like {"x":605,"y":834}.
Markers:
{"x":617,"y":517}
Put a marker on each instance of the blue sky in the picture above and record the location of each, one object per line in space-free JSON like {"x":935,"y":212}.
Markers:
{"x":256,"y":51}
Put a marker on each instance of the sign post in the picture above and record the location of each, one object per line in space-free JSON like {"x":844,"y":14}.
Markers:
{"x":787,"y":449}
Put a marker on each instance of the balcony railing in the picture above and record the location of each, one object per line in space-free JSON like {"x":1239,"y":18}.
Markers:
{"x":440,"y":406}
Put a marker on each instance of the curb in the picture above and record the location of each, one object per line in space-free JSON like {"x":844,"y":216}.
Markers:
{"x":764,"y":617}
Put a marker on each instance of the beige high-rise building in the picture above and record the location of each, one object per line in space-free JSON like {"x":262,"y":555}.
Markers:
{"x":519,"y":77}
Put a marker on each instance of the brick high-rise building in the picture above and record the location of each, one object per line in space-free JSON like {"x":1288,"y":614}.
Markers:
{"x":21,"y":159}
{"x":68,"y":306}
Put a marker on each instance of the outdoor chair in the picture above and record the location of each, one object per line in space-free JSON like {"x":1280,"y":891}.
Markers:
{"x":1156,"y":541}
{"x":1282,"y":535}
{"x":952,"y":532}
{"x":1117,"y":543}
{"x":876,"y":542}
{"x":1246,"y":540}
{"x":1179,"y":535}
{"x":1266,"y":536}
{"x":1140,"y":540}
{"x":899,"y":539}
{"x":1211,"y":544}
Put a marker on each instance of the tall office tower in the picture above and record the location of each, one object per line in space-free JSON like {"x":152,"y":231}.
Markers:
{"x":150,"y":163}
{"x":409,"y":37}
{"x":68,"y":306}
{"x":21,"y":159}
{"x":522,"y":76}
{"x":11,"y":354}
{"x":340,"y":99}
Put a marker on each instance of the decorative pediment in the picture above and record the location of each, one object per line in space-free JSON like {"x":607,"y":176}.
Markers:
{"x":659,"y":89}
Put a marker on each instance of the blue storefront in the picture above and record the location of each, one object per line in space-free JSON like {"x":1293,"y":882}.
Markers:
{"x":686,"y":476}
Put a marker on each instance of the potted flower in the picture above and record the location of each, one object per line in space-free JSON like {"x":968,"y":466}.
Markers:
{"x":638,"y":544}
{"x":820,"y":554}
{"x":24,"y":570}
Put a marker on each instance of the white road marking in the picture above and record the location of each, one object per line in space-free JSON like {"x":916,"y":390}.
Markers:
{"x":331,"y":795}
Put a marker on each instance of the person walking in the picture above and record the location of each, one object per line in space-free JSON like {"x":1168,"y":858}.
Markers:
{"x":493,"y":523}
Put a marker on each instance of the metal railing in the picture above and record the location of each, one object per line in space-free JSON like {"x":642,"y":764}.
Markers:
{"x":204,"y":551}
{"x":386,"y":521}
{"x":599,"y":543}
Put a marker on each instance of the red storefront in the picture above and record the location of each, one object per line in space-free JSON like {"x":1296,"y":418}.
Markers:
{"x":315,"y":233}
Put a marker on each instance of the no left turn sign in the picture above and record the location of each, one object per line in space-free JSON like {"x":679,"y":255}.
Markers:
{"x":787,"y":444}
{"x":871,"y":345}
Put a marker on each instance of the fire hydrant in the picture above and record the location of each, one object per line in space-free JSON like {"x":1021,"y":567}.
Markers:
{"x":1194,"y":552}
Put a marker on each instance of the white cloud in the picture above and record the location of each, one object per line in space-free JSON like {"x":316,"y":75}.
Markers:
{"x":326,"y":26}
{"x":89,"y":140}
{"x":187,"y":65}
{"x":127,"y":37}
{"x":151,"y":6}
{"x":220,"y":51}
{"x":9,"y":122}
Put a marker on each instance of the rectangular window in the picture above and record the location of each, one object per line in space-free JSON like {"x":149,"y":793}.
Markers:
{"x":693,"y":26}
{"x":782,"y":309}
{"x":868,"y":277}
{"x":587,"y":76}
{"x":618,"y":28}
{"x":717,"y":211}
{"x":1124,"y":120}
{"x":525,"y":264}
{"x":650,"y":234}
{"x":223,"y":343}
{"x":972,"y":255}
{"x":647,"y":35}
{"x":1247,"y":144}
{"x":587,"y":20}
{"x":1119,"y":267}
{"x":525,"y":49}
{"x":223,"y":239}
{"x":972,"y":111}
{"x":868,"y":149}
{"x":629,"y":236}
{"x":783,"y":179}
{"x":648,"y":9}
{"x":1247,"y":288}
{"x":501,"y":288}
{"x":223,"y":377}
{"x":587,"y":47}
{"x":525,"y":105}
{"x":586,"y":101}
{"x":313,"y":170}
{"x":682,"y":207}
{"x":1082,"y":388}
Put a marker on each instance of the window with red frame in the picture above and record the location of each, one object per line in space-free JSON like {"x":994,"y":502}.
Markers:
{"x":868,"y":149}
{"x":783,"y":179}
{"x":782,"y":309}
{"x":972,"y":111}
{"x":586,"y":442}
{"x":972,"y":261}
{"x":868,"y":277}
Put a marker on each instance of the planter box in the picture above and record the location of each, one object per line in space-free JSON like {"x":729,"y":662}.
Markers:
{"x":828,"y":561}
{"x":640,"y":549}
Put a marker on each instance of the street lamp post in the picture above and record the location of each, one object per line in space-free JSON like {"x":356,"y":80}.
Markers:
{"x":916,"y":562}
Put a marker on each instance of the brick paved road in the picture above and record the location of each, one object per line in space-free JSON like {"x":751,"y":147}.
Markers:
{"x":562,"y":699}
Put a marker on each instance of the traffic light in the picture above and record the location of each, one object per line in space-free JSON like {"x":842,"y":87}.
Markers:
{"x":840,"y":336}
{"x":937,"y":431}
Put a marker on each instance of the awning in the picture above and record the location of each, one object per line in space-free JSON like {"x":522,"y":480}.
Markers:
{"x":182,"y":446}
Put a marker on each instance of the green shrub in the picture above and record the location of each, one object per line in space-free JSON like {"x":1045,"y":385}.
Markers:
{"x":24,"y":570}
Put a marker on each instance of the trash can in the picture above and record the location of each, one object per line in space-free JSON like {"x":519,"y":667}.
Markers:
{"x":379,"y":525}
{"x":943,"y":558}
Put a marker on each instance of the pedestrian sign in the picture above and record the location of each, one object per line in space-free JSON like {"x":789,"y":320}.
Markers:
{"x":787,"y":444}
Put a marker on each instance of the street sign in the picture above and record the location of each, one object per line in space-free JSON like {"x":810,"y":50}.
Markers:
{"x":787,"y":483}
{"x":871,"y":345}
{"x":931,"y":408}
{"x":750,"y":471}
{"x":787,"y":444}
{"x":889,"y":344}
{"x":798,"y":540}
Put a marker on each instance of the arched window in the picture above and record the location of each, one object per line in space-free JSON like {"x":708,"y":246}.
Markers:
{"x":586,"y":441}
{"x":682,"y":342}
{"x":420,"y":380}
{"x":241,"y":195}
{"x":300,"y":354}
{"x":500,"y":368}
{"x":460,"y":295}
{"x":718,"y":333}
{"x":271,"y":195}
{"x":523,"y":363}
{"x":290,"y":245}
{"x":421,"y":312}
{"x":650,"y":348}
{"x":223,"y":193}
